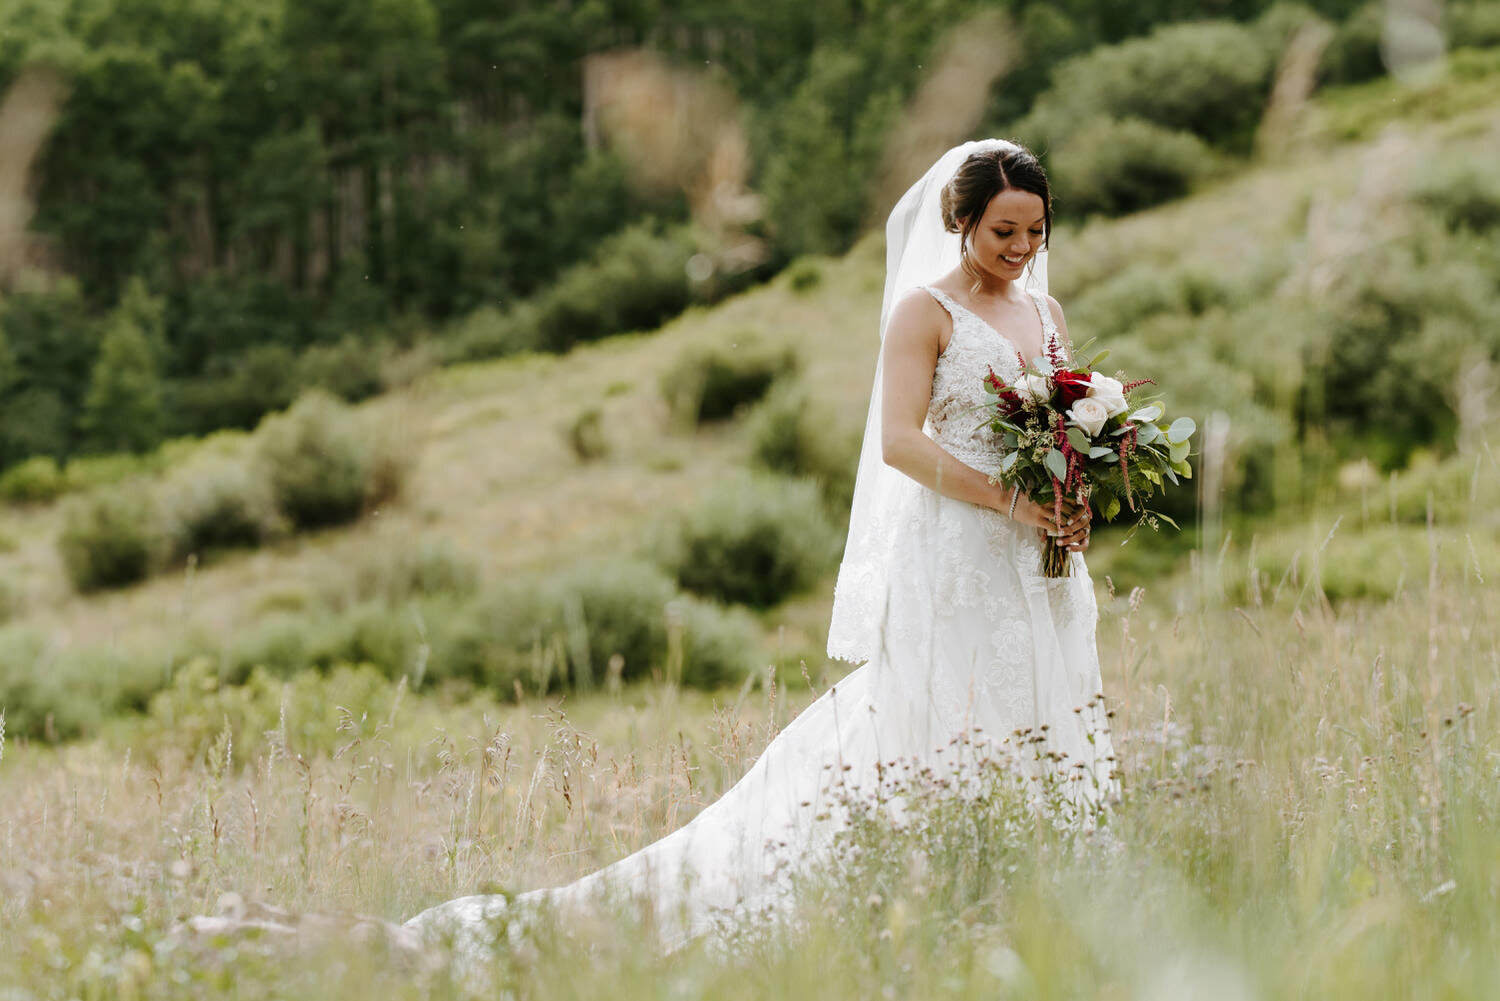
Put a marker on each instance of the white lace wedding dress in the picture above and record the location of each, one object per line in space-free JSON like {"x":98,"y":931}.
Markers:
{"x":973,"y":642}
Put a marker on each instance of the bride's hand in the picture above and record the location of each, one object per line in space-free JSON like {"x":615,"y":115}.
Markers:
{"x":1072,"y":530}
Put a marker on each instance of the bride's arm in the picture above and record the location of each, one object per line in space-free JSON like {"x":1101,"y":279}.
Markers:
{"x":912,"y":342}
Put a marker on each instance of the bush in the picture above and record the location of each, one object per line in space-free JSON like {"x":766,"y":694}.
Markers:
{"x":324,"y":465}
{"x":240,"y":392}
{"x":790,"y":434}
{"x":37,"y":480}
{"x":718,"y":643}
{"x":754,"y":541}
{"x":1475,"y":23}
{"x":638,"y":279}
{"x":219,"y":502}
{"x":428,"y":568}
{"x":712,"y":383}
{"x":586,"y":435}
{"x":562,"y":631}
{"x":558,"y":631}
{"x":1117,"y":166}
{"x":112,"y":538}
{"x":351,"y":369}
{"x":1209,"y":78}
{"x":60,"y":694}
{"x":1353,"y":54}
{"x":1465,"y":197}
{"x":11,"y":600}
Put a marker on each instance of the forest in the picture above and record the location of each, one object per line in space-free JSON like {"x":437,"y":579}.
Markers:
{"x":237,"y":202}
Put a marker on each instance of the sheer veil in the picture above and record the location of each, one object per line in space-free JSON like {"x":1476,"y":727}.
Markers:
{"x":918,"y":250}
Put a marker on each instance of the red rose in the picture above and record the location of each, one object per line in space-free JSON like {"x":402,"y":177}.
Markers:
{"x":1071,"y":387}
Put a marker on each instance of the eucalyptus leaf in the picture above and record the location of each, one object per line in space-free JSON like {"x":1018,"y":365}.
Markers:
{"x":1099,"y":450}
{"x":1056,"y":464}
{"x":1149,"y":413}
{"x":1171,"y":476}
{"x":1012,"y":440}
{"x":1078,"y":439}
{"x":1149,"y":433}
{"x":1009,"y":462}
{"x":1112,"y":457}
{"x":1181,"y":430}
{"x":1179,"y":451}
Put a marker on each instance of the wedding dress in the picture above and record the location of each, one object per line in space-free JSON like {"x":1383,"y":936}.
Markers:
{"x":962,"y":640}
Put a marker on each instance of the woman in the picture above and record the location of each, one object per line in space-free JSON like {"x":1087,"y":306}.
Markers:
{"x":940,"y":595}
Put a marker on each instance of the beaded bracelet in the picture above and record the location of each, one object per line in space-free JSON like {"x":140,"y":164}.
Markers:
{"x":1015,"y":495}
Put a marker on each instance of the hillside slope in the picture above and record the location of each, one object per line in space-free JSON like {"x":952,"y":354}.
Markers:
{"x":498,"y":481}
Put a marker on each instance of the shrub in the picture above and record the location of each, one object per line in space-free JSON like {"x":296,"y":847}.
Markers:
{"x":1473,"y":23}
{"x":563,"y":630}
{"x":219,"y":502}
{"x":1209,"y":78}
{"x":790,"y":434}
{"x":1466,"y":197}
{"x":712,"y":383}
{"x":239,"y":392}
{"x":59,"y":694}
{"x":111,"y":538}
{"x":36,"y":480}
{"x":1115,"y":166}
{"x":324,"y":465}
{"x":718,"y":643}
{"x":1353,"y":54}
{"x":755,"y":541}
{"x":804,"y":274}
{"x":350,"y":369}
{"x":558,"y":630}
{"x":638,"y":279}
{"x":425,"y":569}
{"x":11,"y":600}
{"x":586,"y":435}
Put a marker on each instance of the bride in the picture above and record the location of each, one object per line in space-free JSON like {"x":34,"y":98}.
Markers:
{"x":940,"y":595}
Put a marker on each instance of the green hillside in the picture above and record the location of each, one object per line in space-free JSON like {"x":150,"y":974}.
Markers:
{"x":1285,"y":296}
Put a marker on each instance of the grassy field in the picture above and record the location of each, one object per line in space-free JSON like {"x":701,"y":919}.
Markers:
{"x":1305,"y":686}
{"x":1309,"y":812}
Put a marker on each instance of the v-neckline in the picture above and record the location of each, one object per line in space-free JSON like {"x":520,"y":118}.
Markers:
{"x":1035,"y":304}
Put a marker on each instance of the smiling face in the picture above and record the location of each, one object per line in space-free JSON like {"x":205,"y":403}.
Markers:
{"x":1009,"y":234}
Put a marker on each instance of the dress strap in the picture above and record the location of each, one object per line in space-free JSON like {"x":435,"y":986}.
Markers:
{"x":1049,"y":326}
{"x":944,"y":300}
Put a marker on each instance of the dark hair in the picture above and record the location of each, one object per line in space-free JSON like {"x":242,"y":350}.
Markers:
{"x":983,"y":176}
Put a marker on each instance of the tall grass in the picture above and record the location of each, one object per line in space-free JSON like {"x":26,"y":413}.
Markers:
{"x":1309,"y":791}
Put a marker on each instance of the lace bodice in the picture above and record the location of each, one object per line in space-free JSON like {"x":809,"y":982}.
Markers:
{"x":955,"y":418}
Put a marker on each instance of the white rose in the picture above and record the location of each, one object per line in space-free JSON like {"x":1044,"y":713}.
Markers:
{"x":1108,"y":391}
{"x":1089,"y":414}
{"x":1033,"y":387}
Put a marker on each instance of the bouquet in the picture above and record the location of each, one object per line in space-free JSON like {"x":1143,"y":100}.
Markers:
{"x":1077,"y":433}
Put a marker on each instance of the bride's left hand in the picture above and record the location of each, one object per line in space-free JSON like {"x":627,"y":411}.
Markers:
{"x":1073,"y":529}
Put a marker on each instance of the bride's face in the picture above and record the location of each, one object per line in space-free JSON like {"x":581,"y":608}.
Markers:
{"x":1009,"y":234}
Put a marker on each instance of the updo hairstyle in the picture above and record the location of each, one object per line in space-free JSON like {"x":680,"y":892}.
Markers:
{"x":983,"y":176}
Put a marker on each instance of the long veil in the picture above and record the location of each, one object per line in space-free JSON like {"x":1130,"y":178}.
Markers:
{"x":918,"y":250}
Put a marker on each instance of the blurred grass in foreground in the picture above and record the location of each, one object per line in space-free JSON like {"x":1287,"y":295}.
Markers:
{"x":1310,"y":798}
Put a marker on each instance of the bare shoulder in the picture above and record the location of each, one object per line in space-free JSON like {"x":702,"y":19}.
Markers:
{"x":917,"y":316}
{"x":1057,"y":313}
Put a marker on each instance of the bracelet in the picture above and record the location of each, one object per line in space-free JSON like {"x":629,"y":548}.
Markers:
{"x":1015,"y":495}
